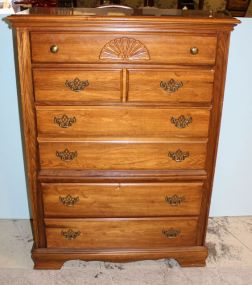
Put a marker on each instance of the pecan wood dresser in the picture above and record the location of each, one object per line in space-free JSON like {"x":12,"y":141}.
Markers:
{"x":121,"y":117}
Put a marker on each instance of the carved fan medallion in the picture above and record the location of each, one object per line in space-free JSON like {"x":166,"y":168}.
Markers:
{"x":124,"y":49}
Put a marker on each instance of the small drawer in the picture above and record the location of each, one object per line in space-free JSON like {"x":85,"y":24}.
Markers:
{"x":163,"y":48}
{"x":77,"y":85}
{"x":121,"y":233}
{"x":121,"y":200}
{"x":122,"y":122}
{"x":122,"y":155}
{"x":170,"y":86}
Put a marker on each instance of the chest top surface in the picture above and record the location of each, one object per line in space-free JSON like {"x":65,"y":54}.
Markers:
{"x":51,"y":17}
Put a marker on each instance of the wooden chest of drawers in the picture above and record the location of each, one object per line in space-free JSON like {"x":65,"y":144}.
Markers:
{"x":121,"y":117}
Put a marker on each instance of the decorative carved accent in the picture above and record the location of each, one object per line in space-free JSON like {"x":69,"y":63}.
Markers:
{"x":171,"y":86}
{"x":68,"y":200}
{"x":124,"y":49}
{"x":76,"y":85}
{"x":171,"y":233}
{"x":174,"y":200}
{"x":64,"y":122}
{"x":66,"y":155}
{"x":181,"y":122}
{"x":70,"y":234}
{"x":178,"y":155}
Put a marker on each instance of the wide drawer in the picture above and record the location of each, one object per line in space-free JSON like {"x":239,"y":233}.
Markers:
{"x":170,"y":85}
{"x":121,"y":233}
{"x":87,"y":47}
{"x":77,"y":85}
{"x":121,"y":200}
{"x":122,"y":122}
{"x":122,"y":155}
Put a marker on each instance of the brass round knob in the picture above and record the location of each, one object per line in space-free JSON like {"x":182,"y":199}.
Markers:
{"x":54,"y":49}
{"x":194,"y":50}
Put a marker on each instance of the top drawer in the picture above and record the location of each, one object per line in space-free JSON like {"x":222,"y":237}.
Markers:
{"x":142,"y":48}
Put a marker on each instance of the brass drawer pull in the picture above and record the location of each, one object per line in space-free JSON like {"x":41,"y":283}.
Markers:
{"x":66,"y":155}
{"x":174,"y":200}
{"x":70,"y":234}
{"x":171,"y":86}
{"x":194,"y":50}
{"x":181,"y":122}
{"x":65,"y":121}
{"x":68,"y":200}
{"x":54,"y":49}
{"x":76,"y":85}
{"x":178,"y":155}
{"x":171,"y":233}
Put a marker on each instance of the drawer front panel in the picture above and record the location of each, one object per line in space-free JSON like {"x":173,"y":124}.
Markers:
{"x":122,"y":156}
{"x":77,"y":85}
{"x":170,"y":86}
{"x":104,"y":47}
{"x":121,"y":233}
{"x":123,"y":122}
{"x":121,"y":200}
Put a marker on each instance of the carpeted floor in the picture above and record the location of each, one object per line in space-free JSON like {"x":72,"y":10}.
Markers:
{"x":229,"y":262}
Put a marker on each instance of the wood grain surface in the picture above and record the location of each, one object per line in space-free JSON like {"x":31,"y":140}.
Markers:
{"x":121,"y":233}
{"x":103,"y":85}
{"x":122,"y":200}
{"x":123,"y":122}
{"x":86,"y":47}
{"x":144,"y":85}
{"x":30,"y":133}
{"x":122,"y":156}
